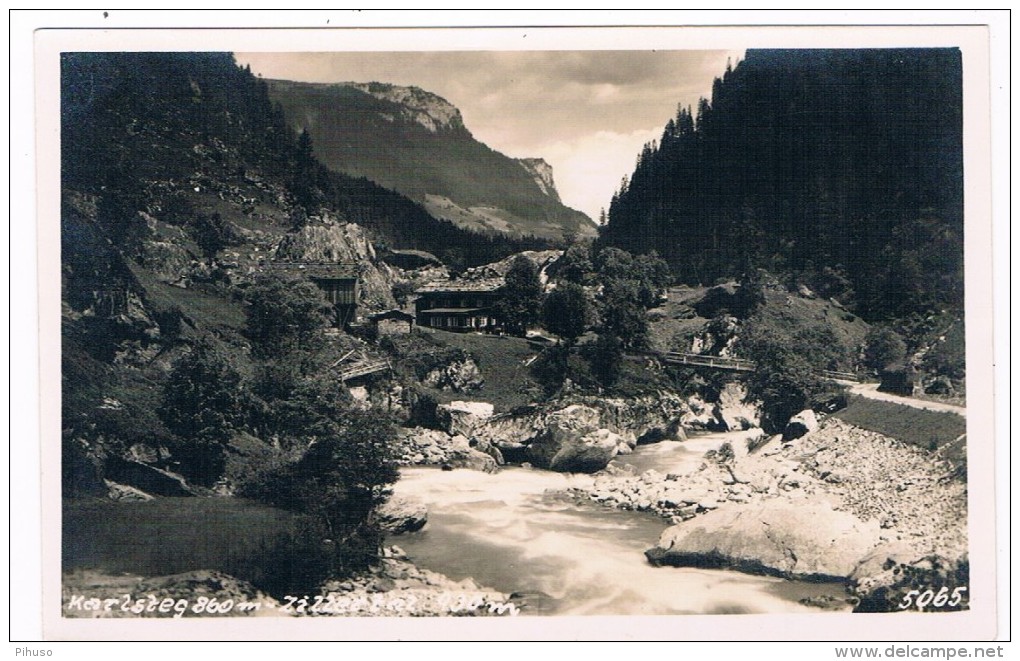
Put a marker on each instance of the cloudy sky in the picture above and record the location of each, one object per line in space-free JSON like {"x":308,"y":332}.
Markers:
{"x":587,"y":113}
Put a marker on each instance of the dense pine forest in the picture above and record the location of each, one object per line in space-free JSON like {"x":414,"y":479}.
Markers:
{"x":841,"y":169}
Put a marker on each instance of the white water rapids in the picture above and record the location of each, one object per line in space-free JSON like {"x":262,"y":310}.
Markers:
{"x":515,"y":531}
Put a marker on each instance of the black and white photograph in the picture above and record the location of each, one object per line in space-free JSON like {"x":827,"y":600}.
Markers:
{"x":581,"y":326}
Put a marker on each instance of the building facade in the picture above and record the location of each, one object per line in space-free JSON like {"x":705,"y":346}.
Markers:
{"x":460,"y":307}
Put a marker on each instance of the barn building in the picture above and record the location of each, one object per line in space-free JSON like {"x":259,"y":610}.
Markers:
{"x":338,"y":281}
{"x":392,"y":322}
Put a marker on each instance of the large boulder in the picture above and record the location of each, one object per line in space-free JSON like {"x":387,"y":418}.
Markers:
{"x":458,"y":376}
{"x":537,"y":434}
{"x":799,"y":425}
{"x":421,"y":446}
{"x":585,"y":453}
{"x":464,"y":456}
{"x":485,"y":447}
{"x":574,"y":442}
{"x":432,"y":447}
{"x":360,"y":398}
{"x":401,"y":514}
{"x":512,"y":432}
{"x":462,"y":417}
{"x":700,"y":415}
{"x":806,"y":541}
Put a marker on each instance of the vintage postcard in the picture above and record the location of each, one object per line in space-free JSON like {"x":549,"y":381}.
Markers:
{"x":517,"y":333}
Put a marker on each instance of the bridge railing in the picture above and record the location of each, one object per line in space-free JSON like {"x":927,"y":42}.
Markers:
{"x":737,"y":364}
{"x":839,"y":376}
{"x":717,"y":362}
{"x":363,"y":369}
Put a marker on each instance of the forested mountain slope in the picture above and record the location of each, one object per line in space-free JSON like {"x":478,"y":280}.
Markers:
{"x":415,"y":142}
{"x":842,"y":168}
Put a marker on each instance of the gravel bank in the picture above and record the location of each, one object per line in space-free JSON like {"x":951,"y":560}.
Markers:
{"x":910,"y":495}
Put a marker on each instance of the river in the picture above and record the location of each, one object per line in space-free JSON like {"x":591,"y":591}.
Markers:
{"x":517,"y":531}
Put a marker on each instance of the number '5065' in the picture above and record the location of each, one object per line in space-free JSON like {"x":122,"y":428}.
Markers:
{"x":941,"y":599}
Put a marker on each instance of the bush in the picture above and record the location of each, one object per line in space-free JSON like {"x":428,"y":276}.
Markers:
{"x":203,"y":403}
{"x":343,"y":476}
{"x":948,"y":354}
{"x":284,"y":314}
{"x":883,"y":347}
{"x":567,"y":311}
{"x":211,"y":233}
{"x":786,"y":380}
{"x":606,"y":359}
{"x":423,"y":410}
{"x":551,"y":368}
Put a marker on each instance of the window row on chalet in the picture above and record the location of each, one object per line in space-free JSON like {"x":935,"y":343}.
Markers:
{"x":459,"y":306}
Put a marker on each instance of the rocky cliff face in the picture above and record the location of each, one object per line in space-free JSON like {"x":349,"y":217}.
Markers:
{"x":329,"y":240}
{"x":543,"y":175}
{"x":542,"y":259}
{"x":425,"y":108}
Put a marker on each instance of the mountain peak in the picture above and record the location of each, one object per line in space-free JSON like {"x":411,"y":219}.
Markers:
{"x":430,"y":110}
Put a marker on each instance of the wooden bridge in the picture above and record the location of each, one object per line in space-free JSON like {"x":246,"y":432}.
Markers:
{"x":364,"y":368}
{"x":735,"y":364}
{"x":715,"y":362}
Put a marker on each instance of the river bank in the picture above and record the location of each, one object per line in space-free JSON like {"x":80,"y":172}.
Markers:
{"x":840,"y":518}
{"x":881,"y":516}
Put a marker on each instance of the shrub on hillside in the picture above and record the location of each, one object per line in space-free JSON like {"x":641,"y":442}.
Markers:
{"x":284,"y":314}
{"x":883,"y":347}
{"x":204,"y":401}
{"x":787,"y":380}
{"x":339,"y":481}
{"x":606,"y":357}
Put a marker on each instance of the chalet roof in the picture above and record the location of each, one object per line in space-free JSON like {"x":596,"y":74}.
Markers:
{"x":455,"y":310}
{"x":412,"y":255}
{"x":320,"y":270}
{"x":462,"y":286}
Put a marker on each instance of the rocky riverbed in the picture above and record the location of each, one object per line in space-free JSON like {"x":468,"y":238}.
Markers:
{"x":840,"y":503}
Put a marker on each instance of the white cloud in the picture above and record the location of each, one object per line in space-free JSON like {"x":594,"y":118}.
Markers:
{"x":588,"y":169}
{"x":584,"y":112}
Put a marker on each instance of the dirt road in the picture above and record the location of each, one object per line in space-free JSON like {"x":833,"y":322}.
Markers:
{"x":870,"y":390}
